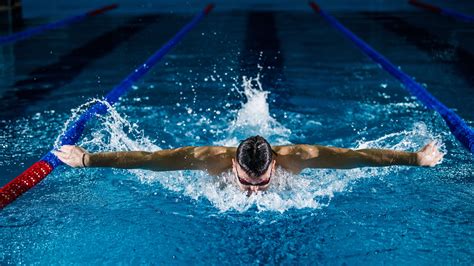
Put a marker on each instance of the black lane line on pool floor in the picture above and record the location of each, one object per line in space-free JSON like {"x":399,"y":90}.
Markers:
{"x":262,"y":47}
{"x":462,"y":59}
{"x":45,"y":79}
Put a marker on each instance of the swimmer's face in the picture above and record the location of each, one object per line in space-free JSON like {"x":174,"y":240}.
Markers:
{"x":252,"y":184}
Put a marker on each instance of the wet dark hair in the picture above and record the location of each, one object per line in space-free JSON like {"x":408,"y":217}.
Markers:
{"x":254,"y":155}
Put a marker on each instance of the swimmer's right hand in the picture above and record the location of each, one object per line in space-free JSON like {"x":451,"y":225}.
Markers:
{"x":73,"y":156}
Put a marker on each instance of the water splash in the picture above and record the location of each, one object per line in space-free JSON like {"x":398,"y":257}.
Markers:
{"x":253,"y":117}
{"x":75,"y":114}
{"x":112,"y":132}
{"x":313,"y":188}
{"x":405,"y":140}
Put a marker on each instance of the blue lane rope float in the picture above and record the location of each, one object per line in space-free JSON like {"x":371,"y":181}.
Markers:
{"x":456,"y":124}
{"x":442,"y":11}
{"x":38,"y":171}
{"x":54,"y":25}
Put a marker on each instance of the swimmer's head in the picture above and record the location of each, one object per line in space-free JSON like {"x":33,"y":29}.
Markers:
{"x":254,"y":163}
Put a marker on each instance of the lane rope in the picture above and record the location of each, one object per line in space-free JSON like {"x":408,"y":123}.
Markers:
{"x":38,"y":171}
{"x":54,"y":25}
{"x":456,"y":124}
{"x":442,"y":11}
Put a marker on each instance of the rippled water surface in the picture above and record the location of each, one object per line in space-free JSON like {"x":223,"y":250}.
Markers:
{"x":286,"y":76}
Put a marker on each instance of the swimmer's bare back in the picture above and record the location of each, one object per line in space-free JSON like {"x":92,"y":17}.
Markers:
{"x":218,"y":159}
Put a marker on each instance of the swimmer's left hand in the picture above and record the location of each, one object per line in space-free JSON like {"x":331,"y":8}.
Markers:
{"x":429,"y":155}
{"x":73,"y":156}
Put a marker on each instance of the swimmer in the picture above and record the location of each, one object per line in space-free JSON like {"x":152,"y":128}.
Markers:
{"x":253,"y":162}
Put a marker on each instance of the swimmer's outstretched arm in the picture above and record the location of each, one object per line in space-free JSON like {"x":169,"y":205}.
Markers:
{"x":209,"y":158}
{"x":298,"y":157}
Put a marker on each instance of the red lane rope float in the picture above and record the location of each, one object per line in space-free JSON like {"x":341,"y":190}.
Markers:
{"x":41,"y":169}
{"x":426,"y":6}
{"x":442,"y":11}
{"x":26,"y":180}
{"x":208,"y":9}
{"x":102,"y":10}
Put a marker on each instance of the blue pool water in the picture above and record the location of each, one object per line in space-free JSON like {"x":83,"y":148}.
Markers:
{"x":287,"y":76}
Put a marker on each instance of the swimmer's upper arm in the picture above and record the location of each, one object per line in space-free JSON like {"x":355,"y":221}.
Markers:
{"x":183,"y":158}
{"x":318,"y":156}
{"x":295,"y":158}
{"x":210,"y":158}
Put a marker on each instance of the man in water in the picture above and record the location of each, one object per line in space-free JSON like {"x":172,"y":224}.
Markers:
{"x":253,"y":161}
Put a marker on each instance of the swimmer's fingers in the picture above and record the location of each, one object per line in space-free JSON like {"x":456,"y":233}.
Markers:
{"x":430,"y":155}
{"x":428,"y":148}
{"x":65,"y":158}
{"x":62,"y":157}
{"x":436,"y":154}
{"x":66,"y":148}
{"x":72,"y":149}
{"x":71,"y":155}
{"x":440,"y":159}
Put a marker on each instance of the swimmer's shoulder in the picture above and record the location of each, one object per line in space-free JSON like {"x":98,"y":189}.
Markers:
{"x":289,"y":156}
{"x":296,"y":150}
{"x":218,"y":158}
{"x":212,"y":151}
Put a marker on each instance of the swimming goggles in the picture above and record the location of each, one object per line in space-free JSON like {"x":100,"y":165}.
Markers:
{"x":263,"y":183}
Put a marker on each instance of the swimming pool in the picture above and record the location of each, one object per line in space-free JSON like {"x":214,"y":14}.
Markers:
{"x":316,"y":87}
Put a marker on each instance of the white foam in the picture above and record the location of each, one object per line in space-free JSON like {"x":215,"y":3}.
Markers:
{"x":314,"y":188}
{"x":253,"y":117}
